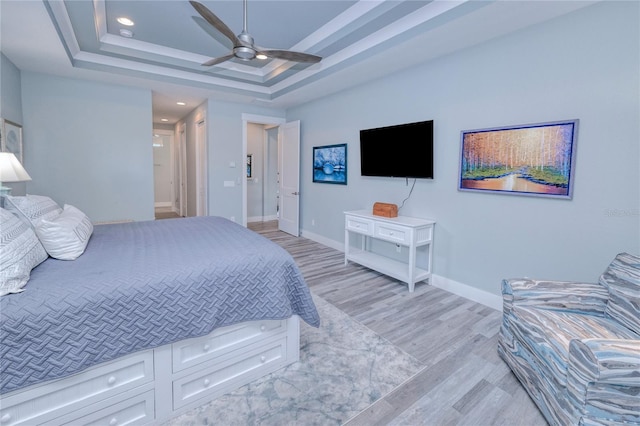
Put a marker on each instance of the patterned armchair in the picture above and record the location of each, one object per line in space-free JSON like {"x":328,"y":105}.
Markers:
{"x":575,"y":347}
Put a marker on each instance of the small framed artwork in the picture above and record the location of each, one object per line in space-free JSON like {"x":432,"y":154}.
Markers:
{"x":330,"y":164}
{"x":249,"y":166}
{"x":530,"y":159}
{"x":11,"y":138}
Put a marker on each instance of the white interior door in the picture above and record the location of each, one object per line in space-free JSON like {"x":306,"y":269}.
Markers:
{"x":289,"y":154}
{"x":201,"y":169}
{"x":182,"y":171}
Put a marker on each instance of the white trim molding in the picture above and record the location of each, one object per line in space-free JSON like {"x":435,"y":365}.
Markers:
{"x":491,"y":300}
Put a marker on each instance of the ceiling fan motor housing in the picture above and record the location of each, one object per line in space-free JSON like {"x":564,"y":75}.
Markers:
{"x":246,"y":52}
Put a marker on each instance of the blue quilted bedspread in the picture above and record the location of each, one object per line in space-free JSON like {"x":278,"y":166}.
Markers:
{"x":141,"y":285}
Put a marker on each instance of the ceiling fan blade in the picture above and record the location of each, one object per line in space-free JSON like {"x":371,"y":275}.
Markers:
{"x":219,"y":59}
{"x":290,"y":55}
{"x":215,"y":21}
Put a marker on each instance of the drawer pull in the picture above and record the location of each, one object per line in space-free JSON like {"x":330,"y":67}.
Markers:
{"x":111,"y":380}
{"x":5,"y":418}
{"x":263,"y":328}
{"x":263,"y":359}
{"x":113,"y":421}
{"x":206,"y":348}
{"x":206,"y":383}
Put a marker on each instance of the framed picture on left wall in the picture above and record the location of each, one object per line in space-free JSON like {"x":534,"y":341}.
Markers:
{"x":330,"y":164}
{"x":11,"y":138}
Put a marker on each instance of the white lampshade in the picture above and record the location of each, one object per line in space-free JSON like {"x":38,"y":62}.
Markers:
{"x":11,"y":170}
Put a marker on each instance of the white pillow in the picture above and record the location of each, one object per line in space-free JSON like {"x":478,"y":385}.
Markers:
{"x":66,"y":236}
{"x":32,"y":208}
{"x":20,"y":252}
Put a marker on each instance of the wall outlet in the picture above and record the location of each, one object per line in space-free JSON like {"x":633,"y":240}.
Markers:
{"x":313,"y":222}
{"x":232,"y":218}
{"x":398,"y":248}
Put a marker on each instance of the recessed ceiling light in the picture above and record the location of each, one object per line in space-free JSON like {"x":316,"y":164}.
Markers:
{"x":126,"y":33}
{"x":125,"y":21}
{"x":164,"y":119}
{"x":181,"y":103}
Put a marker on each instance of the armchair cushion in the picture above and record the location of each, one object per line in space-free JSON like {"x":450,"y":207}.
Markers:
{"x":622,"y":278}
{"x":548,"y":335}
{"x":586,"y":298}
{"x":604,"y":374}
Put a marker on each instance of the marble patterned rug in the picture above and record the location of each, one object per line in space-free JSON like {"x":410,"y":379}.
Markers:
{"x":344,"y":367}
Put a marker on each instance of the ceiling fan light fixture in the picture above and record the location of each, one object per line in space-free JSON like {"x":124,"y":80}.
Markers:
{"x":261,"y":56}
{"x":125,"y":21}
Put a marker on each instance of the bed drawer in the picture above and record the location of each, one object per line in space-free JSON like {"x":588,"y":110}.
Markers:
{"x":42,"y":403}
{"x":135,"y":410}
{"x":222,"y":341}
{"x":243,"y":367}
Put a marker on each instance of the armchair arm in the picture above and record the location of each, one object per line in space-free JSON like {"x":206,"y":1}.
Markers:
{"x":603,"y":378}
{"x":588,"y":298}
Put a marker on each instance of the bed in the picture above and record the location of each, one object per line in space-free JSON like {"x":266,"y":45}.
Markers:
{"x":154,"y":318}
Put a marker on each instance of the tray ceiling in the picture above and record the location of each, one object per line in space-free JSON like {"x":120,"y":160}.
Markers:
{"x":358,"y":40}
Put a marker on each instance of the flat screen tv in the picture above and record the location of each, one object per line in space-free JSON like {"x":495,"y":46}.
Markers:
{"x":404,"y":150}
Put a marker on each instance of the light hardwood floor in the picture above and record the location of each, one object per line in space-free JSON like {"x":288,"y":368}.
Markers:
{"x":463,"y":381}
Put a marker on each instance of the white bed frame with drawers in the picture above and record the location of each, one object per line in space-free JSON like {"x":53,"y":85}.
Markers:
{"x":155,"y":385}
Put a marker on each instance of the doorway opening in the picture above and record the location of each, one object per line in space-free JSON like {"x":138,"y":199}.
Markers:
{"x":272,"y":146}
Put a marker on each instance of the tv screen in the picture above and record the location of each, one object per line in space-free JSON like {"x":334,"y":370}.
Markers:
{"x":405,"y":150}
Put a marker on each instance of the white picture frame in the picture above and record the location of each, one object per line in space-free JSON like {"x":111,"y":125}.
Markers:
{"x":11,"y":138}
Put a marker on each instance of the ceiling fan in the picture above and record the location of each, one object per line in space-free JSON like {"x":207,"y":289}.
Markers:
{"x":243,"y":46}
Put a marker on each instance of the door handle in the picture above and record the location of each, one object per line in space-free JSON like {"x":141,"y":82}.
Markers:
{"x":295,"y":193}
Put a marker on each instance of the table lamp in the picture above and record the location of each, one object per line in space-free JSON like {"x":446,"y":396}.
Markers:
{"x":11,"y":171}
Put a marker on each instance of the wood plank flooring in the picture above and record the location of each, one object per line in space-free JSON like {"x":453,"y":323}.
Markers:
{"x":464,"y":382}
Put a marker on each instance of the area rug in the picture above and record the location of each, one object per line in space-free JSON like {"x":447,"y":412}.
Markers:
{"x":344,"y":367}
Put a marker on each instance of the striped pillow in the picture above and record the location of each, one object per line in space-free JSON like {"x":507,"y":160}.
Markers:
{"x":622,"y":278}
{"x":20,"y":252}
{"x":32,"y":208}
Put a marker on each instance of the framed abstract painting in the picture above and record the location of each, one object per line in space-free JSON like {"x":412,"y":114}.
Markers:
{"x":330,"y":164}
{"x":530,"y":159}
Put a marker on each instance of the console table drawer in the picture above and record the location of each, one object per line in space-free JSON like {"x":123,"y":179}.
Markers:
{"x":359,"y":225}
{"x":396,"y":234}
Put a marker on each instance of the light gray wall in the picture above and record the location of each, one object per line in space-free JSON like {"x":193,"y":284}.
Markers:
{"x":11,"y":94}
{"x":583,"y":65}
{"x":89,"y":145}
{"x":11,"y":105}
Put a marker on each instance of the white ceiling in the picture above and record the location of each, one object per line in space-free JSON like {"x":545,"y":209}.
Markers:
{"x":358,"y":40}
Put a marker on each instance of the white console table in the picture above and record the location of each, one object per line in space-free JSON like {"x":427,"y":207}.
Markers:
{"x":403,"y":231}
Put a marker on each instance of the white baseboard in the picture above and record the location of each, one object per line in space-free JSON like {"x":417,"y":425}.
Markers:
{"x":262,"y":218}
{"x":162,"y":204}
{"x":474,"y":294}
{"x":485,"y":298}
{"x":322,"y":240}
